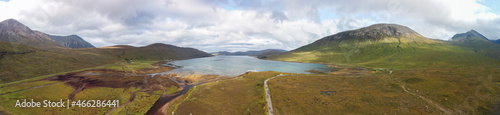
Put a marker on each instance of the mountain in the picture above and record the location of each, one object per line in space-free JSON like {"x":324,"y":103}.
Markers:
{"x":25,"y":53}
{"x":13,"y":31}
{"x":170,"y":51}
{"x":478,"y":43}
{"x":249,"y":53}
{"x":269,"y":53}
{"x":384,"y":46}
{"x":19,"y":62}
{"x":157,"y":51}
{"x":496,"y":41}
{"x":71,"y":41}
{"x":468,"y":35}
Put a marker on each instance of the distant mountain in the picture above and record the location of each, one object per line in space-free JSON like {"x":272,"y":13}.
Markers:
{"x":468,"y":35}
{"x":496,"y":41}
{"x":71,"y":41}
{"x":13,"y":31}
{"x":249,"y":53}
{"x":269,"y":53}
{"x":384,"y":46}
{"x":478,"y":43}
{"x":157,"y":51}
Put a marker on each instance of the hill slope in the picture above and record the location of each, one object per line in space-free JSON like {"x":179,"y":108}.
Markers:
{"x":384,"y":46}
{"x":25,"y":53}
{"x":248,"y":53}
{"x":157,"y":51}
{"x":19,"y":62}
{"x":71,"y":41}
{"x":269,"y":53}
{"x":478,"y":43}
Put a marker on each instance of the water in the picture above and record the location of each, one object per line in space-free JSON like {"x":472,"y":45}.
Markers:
{"x":236,"y":65}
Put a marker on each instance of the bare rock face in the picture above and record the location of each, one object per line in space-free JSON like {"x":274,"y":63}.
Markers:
{"x":376,"y":32}
{"x":15,"y":32}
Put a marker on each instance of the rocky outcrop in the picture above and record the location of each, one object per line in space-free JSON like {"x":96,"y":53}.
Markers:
{"x":376,"y":32}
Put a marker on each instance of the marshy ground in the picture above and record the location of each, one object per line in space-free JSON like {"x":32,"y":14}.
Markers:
{"x":136,"y":85}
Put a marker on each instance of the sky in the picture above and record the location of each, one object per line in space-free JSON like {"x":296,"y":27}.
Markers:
{"x":241,"y":25}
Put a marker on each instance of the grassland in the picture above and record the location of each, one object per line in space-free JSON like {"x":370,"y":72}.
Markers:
{"x":236,"y":96}
{"x":142,"y":102}
{"x":459,"y":91}
{"x":39,"y":89}
{"x":36,"y":63}
{"x":404,"y":91}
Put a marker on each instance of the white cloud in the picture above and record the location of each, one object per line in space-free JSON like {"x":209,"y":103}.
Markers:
{"x":246,"y":25}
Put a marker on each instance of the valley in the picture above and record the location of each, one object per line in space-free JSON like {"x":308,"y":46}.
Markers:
{"x":378,"y":69}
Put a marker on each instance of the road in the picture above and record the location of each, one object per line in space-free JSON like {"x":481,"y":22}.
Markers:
{"x":269,"y":104}
{"x":446,"y":111}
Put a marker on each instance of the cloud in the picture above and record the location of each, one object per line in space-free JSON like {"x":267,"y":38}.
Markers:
{"x":238,"y":25}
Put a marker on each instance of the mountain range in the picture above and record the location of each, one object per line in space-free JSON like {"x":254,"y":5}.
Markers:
{"x":25,"y":53}
{"x":13,"y":31}
{"x":385,"y":46}
{"x":249,"y":53}
{"x":496,"y":41}
{"x":71,"y":41}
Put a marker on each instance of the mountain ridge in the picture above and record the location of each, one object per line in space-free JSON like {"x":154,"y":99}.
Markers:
{"x":13,"y":31}
{"x":470,"y":33}
{"x":374,"y":32}
{"x":71,"y":41}
{"x":249,"y":53}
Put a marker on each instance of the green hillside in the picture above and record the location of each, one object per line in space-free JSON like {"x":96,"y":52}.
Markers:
{"x":155,"y":51}
{"x":385,"y":46}
{"x":21,"y":62}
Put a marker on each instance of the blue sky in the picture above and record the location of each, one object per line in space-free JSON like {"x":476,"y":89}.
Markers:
{"x":494,"y":5}
{"x":240,"y":25}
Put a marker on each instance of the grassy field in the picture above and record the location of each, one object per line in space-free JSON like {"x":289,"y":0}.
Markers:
{"x":459,"y":91}
{"x":39,"y":90}
{"x":142,"y":102}
{"x":17,"y":67}
{"x":236,"y":96}
{"x":408,"y":91}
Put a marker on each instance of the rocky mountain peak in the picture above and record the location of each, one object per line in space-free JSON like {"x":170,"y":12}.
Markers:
{"x":469,"y":34}
{"x":376,"y":32}
{"x":390,"y":29}
{"x":12,"y":24}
